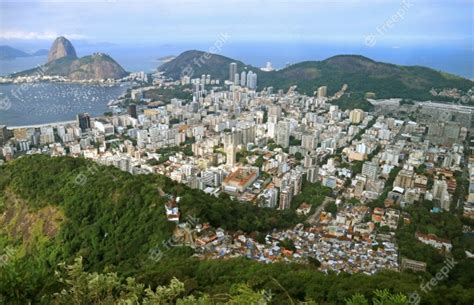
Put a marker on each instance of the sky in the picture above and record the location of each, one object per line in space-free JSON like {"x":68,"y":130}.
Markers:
{"x":370,"y":22}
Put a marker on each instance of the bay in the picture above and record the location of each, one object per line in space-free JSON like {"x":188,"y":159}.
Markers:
{"x":40,"y":103}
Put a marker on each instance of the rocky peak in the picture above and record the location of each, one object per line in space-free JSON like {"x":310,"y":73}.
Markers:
{"x":61,"y":48}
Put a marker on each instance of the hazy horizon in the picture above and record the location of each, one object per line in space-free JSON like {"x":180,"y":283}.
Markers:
{"x":395,"y":23}
{"x":437,"y":34}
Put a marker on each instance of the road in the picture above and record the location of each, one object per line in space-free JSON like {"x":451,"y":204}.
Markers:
{"x":314,"y":219}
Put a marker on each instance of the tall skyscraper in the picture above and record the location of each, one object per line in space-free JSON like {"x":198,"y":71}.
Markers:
{"x":251,"y":80}
{"x":232,"y":71}
{"x":312,"y":174}
{"x":253,"y":83}
{"x":236,"y":79}
{"x":309,"y":141}
{"x":231,"y":154}
{"x":84,"y":121}
{"x":248,"y":134}
{"x":356,"y":116}
{"x":286,"y":195}
{"x":274,"y":113}
{"x":243,"y":78}
{"x":322,"y":91}
{"x":440,"y":193}
{"x":132,"y":110}
{"x":283,"y":134}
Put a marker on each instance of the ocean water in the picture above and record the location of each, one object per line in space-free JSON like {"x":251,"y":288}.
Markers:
{"x":454,"y":59}
{"x":31,"y":104}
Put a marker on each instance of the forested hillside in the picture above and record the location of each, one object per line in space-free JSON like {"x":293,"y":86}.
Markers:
{"x":50,"y":219}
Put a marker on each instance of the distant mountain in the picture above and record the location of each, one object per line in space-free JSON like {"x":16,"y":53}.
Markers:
{"x":7,"y":52}
{"x":41,"y":52}
{"x":361,"y":74}
{"x":63,"y":61}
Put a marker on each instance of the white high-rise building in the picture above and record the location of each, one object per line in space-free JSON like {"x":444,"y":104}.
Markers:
{"x":248,"y":134}
{"x":283,"y":134}
{"x":309,"y":141}
{"x":312,"y":174}
{"x":269,"y":198}
{"x":142,"y":138}
{"x":243,"y":78}
{"x":251,"y":80}
{"x":440,"y":192}
{"x":232,"y":71}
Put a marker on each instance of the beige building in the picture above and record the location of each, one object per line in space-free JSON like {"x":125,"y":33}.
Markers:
{"x":356,"y":116}
{"x":405,"y":179}
{"x":231,"y":155}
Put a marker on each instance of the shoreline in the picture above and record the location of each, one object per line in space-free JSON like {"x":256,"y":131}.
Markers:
{"x":40,"y":125}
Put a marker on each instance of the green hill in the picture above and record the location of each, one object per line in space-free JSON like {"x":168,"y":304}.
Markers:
{"x":361,"y":74}
{"x":195,"y":63}
{"x":96,"y":66}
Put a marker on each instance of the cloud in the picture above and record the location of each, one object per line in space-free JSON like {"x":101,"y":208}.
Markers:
{"x":23,"y":35}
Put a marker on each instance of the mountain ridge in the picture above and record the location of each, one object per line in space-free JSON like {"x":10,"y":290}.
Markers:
{"x":360,"y":73}
{"x":8,"y":52}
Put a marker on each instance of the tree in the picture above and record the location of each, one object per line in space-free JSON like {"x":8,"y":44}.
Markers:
{"x":314,"y":261}
{"x":288,"y":244}
{"x":80,"y":287}
{"x":381,"y":297}
{"x":384,"y":297}
{"x":357,"y":299}
{"x":331,"y":208}
{"x":259,"y":162}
